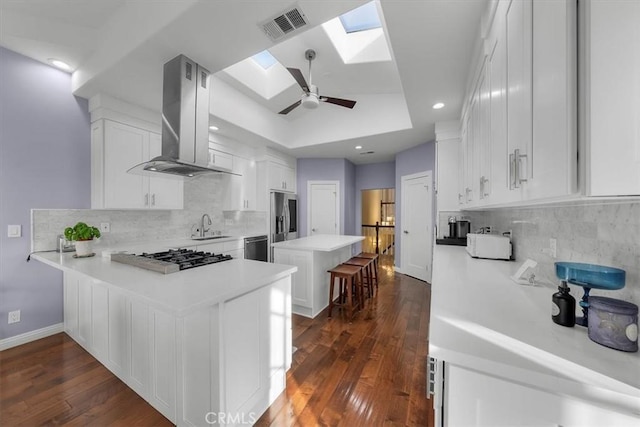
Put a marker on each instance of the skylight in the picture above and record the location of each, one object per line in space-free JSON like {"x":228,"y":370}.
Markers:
{"x":264,"y":59}
{"x":362,"y":18}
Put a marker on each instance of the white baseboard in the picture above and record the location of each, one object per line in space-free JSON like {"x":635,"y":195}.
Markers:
{"x":397,"y":269}
{"x":31,"y":336}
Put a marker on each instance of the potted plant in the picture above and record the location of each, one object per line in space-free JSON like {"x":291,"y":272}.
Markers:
{"x":83,"y":235}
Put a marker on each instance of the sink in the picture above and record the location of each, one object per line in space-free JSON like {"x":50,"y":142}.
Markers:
{"x":210,"y":237}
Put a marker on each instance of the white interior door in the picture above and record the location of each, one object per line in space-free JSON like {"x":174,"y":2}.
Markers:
{"x":416,"y":237}
{"x":323,"y":209}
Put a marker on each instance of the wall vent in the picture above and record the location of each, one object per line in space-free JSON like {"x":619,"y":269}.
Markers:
{"x":364,"y":153}
{"x":284,"y":24}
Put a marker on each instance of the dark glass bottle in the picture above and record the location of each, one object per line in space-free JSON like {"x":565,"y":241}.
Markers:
{"x":563,"y":309}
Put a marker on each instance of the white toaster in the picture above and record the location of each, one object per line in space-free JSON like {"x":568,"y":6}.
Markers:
{"x":491,"y":246}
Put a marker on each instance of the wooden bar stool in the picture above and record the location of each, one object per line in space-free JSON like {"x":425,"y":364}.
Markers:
{"x":348,"y":288}
{"x":374,"y":258}
{"x":367,"y":278}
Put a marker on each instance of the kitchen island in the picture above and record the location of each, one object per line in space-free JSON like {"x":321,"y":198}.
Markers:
{"x":202,"y":345}
{"x":489,"y":333}
{"x":313,"y":255}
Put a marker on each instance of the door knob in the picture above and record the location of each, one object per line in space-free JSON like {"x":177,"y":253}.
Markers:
{"x":313,"y":229}
{"x":405,"y":232}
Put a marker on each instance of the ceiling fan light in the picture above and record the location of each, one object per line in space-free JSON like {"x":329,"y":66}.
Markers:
{"x":310,"y":101}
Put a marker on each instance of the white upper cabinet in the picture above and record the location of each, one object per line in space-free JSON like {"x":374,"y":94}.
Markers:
{"x":240,"y":191}
{"x":115,"y":148}
{"x":519,"y":131}
{"x":554,"y":159}
{"x":611,"y":66}
{"x":448,"y":166}
{"x":281,"y":177}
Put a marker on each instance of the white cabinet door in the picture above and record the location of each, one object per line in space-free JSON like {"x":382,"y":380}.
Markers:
{"x":124,"y":147}
{"x":476,"y":399}
{"x":483,"y":143}
{"x":71,"y":304}
{"x":301,"y":280}
{"x":116,"y":147}
{"x":140,"y":342}
{"x":242,"y":335}
{"x":497,"y":76}
{"x":240,"y":191}
{"x":554,"y":159}
{"x":99,"y":319}
{"x":612,"y":74}
{"x":84,"y":313}
{"x":281,"y":177}
{"x":163,"y":362}
{"x":220,"y":160}
{"x":118,"y":348}
{"x":164,"y":193}
{"x":519,"y":56}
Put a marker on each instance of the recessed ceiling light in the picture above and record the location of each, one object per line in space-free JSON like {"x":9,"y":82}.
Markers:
{"x":358,"y":147}
{"x":438,"y":105}
{"x":60,"y":64}
{"x":213,"y":127}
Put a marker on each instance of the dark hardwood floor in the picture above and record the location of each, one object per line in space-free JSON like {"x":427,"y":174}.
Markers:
{"x":370,"y":372}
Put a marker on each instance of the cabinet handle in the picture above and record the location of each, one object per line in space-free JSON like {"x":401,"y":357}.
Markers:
{"x":483,"y":187}
{"x":153,"y":199}
{"x":460,"y":199}
{"x":512,"y":167}
{"x":517,"y":162}
{"x":146,"y":199}
{"x":468,"y":194}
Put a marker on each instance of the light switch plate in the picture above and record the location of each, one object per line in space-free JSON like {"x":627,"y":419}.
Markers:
{"x":14,"y":231}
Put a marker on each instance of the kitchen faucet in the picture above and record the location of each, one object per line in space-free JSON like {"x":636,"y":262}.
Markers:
{"x":202,"y":229}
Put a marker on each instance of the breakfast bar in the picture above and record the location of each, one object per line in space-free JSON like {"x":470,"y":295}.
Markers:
{"x":313,"y":255}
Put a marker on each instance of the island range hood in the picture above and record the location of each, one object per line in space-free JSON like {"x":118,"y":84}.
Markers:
{"x":185,"y":123}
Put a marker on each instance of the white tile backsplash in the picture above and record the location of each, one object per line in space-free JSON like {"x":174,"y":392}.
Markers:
{"x":201,"y":195}
{"x":605,"y":233}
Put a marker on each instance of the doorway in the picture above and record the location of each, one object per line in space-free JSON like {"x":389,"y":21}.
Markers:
{"x":323,"y":209}
{"x":378,"y":221}
{"x":416,"y":237}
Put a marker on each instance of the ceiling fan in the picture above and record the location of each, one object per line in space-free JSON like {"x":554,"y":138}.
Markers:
{"x":311,"y":98}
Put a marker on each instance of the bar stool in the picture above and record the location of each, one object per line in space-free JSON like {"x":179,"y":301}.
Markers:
{"x":374,"y":258}
{"x":349,"y":287}
{"x":367,"y":278}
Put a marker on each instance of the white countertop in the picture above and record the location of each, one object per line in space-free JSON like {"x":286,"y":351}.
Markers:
{"x":319,"y":242}
{"x":178,"y":293}
{"x":480,"y":317}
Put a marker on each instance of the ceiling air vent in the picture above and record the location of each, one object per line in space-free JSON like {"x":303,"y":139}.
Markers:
{"x":284,"y":24}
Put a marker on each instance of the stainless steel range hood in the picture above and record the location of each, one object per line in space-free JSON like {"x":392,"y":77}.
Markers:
{"x":185,"y":123}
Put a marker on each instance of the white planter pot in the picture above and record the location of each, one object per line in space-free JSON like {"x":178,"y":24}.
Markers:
{"x":84,"y":247}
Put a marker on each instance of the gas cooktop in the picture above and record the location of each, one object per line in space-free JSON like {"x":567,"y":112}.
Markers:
{"x":170,"y":261}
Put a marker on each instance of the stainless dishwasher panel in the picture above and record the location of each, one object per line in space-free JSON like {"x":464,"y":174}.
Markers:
{"x":256,"y":248}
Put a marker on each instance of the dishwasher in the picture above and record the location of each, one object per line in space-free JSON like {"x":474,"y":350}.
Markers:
{"x":256,"y":248}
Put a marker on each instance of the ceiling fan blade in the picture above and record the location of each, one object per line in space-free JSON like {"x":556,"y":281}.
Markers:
{"x":297,"y":74}
{"x":338,"y":101}
{"x":290,"y":107}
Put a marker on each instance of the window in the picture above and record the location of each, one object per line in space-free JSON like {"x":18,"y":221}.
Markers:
{"x":363,"y":18}
{"x":264,"y":59}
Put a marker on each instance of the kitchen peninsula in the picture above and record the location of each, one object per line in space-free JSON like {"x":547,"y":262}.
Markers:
{"x":196,"y":343}
{"x":313,"y":255}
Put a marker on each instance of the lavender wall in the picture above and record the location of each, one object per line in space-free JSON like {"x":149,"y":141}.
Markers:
{"x":417,"y":159}
{"x":44,"y":163}
{"x":324,"y":170}
{"x":350,"y":199}
{"x":371,"y":177}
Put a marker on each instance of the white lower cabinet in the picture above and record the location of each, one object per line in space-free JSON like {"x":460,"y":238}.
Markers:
{"x":224,"y":364}
{"x":473,"y":398}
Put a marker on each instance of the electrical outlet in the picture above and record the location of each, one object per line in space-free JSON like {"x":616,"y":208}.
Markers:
{"x":105,"y":227}
{"x":553,"y":248}
{"x":14,"y":316}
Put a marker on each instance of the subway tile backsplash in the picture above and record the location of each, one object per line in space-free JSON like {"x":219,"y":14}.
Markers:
{"x":605,"y":233}
{"x":201,"y":195}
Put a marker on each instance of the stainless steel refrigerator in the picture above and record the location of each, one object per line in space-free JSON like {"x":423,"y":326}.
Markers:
{"x":283,"y":219}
